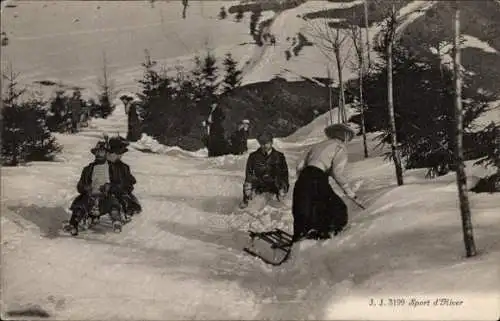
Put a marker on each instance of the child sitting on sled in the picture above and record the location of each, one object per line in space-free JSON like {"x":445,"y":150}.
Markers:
{"x":125,"y":180}
{"x":97,"y":187}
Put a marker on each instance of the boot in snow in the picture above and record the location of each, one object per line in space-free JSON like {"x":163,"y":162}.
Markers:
{"x":73,"y":230}
{"x":243,"y":204}
{"x":117,"y":226}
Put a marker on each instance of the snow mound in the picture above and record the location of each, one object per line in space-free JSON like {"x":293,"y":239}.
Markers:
{"x":263,"y":214}
{"x":314,"y":131}
{"x":150,"y":145}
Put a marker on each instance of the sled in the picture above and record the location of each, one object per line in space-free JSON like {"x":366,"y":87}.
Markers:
{"x":93,"y":219}
{"x":275,"y":248}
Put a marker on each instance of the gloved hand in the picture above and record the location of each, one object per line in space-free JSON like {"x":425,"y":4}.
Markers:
{"x":105,"y":188}
{"x":248,"y":191}
{"x":350,"y":193}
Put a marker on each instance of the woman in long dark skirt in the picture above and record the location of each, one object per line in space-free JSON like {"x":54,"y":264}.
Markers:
{"x":317,"y":210}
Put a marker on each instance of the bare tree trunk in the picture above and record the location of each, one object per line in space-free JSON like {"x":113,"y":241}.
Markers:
{"x":341,"y":86}
{"x":390,"y":104}
{"x":389,"y":41}
{"x":330,"y":93}
{"x":361,"y":98}
{"x":368,"y":42}
{"x":459,"y":161}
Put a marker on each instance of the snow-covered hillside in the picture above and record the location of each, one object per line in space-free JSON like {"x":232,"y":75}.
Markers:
{"x":186,"y":247}
{"x":182,"y":257}
{"x":65,"y":42}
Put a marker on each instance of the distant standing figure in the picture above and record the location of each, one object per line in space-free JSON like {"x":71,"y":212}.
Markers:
{"x":205,"y":131}
{"x":239,"y":139}
{"x":217,"y":144}
{"x":185,"y":4}
{"x":76,"y":110}
{"x":273,"y":40}
{"x":134,"y":126}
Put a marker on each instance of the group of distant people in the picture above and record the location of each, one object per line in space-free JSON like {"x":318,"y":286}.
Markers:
{"x":214,"y":135}
{"x":317,"y":210}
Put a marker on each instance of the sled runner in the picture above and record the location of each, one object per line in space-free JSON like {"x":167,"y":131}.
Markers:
{"x":93,"y":217}
{"x":275,"y":246}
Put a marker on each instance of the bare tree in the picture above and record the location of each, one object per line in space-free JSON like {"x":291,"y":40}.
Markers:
{"x":459,"y":157}
{"x":367,"y":27}
{"x":389,"y":37}
{"x":357,"y":41}
{"x":331,"y":41}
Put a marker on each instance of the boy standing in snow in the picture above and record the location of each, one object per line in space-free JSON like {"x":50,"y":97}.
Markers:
{"x":96,"y":183}
{"x":266,"y":171}
{"x":240,"y":137}
{"x":317,"y":210}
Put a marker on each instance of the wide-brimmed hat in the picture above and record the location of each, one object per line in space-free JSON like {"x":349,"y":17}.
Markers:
{"x":118,"y":145}
{"x":99,"y":146}
{"x":245,"y":121}
{"x":339,"y":131}
{"x":265,"y":138}
{"x":126,"y":98}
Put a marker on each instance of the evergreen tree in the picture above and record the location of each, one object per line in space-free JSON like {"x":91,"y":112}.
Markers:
{"x":424,"y":109}
{"x":25,"y":134}
{"x":210,"y":75}
{"x":233,"y":76}
{"x":150,"y":83}
{"x":239,"y":14}
{"x":105,"y":105}
{"x":204,"y":79}
{"x":106,"y":92}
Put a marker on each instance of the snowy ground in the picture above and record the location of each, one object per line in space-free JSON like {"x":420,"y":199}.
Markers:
{"x":185,"y":248}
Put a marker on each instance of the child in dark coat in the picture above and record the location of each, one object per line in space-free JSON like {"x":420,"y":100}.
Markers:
{"x":239,"y":139}
{"x":130,"y":204}
{"x":266,"y":171}
{"x":97,"y":182}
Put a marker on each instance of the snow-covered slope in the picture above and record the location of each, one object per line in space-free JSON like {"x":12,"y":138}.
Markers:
{"x":65,"y":41}
{"x":186,"y":247}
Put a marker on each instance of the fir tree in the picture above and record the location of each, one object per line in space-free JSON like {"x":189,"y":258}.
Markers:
{"x":210,"y":75}
{"x":239,"y":15}
{"x":25,"y":134}
{"x":106,"y":91}
{"x":150,"y":83}
{"x":424,"y":109}
{"x":233,"y":76}
{"x":204,"y":77}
